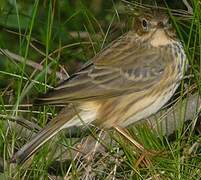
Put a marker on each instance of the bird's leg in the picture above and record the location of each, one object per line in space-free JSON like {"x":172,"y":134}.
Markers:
{"x":144,"y":156}
{"x":128,"y":137}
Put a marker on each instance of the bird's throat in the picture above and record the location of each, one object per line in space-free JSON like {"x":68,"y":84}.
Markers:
{"x":160,"y":38}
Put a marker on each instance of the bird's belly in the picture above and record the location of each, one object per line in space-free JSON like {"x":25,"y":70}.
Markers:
{"x":87,"y":114}
{"x":148,"y":106}
{"x":117,"y":114}
{"x":84,"y":118}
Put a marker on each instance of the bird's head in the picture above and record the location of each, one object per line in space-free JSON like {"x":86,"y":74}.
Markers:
{"x":155,"y":24}
{"x":150,"y":21}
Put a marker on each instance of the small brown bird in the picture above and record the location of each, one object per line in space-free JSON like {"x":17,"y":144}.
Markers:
{"x":127,"y":81}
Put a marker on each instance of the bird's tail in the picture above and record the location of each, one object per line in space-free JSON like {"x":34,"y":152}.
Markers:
{"x":63,"y":120}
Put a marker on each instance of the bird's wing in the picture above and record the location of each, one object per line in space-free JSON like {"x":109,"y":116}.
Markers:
{"x":124,"y":67}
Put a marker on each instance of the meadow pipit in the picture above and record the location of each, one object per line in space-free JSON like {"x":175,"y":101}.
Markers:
{"x":127,"y":81}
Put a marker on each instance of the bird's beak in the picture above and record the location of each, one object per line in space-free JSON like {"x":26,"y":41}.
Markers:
{"x":160,"y":25}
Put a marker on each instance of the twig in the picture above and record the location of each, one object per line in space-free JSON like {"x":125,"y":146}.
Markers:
{"x":172,"y":120}
{"x":82,"y":34}
{"x":189,"y":8}
{"x":23,"y":122}
{"x":29,"y":62}
{"x":147,"y":6}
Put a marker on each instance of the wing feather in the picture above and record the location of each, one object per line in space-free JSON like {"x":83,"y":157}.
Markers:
{"x":125,"y":67}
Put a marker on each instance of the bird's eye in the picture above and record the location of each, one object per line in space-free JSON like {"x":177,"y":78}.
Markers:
{"x":145,"y":24}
